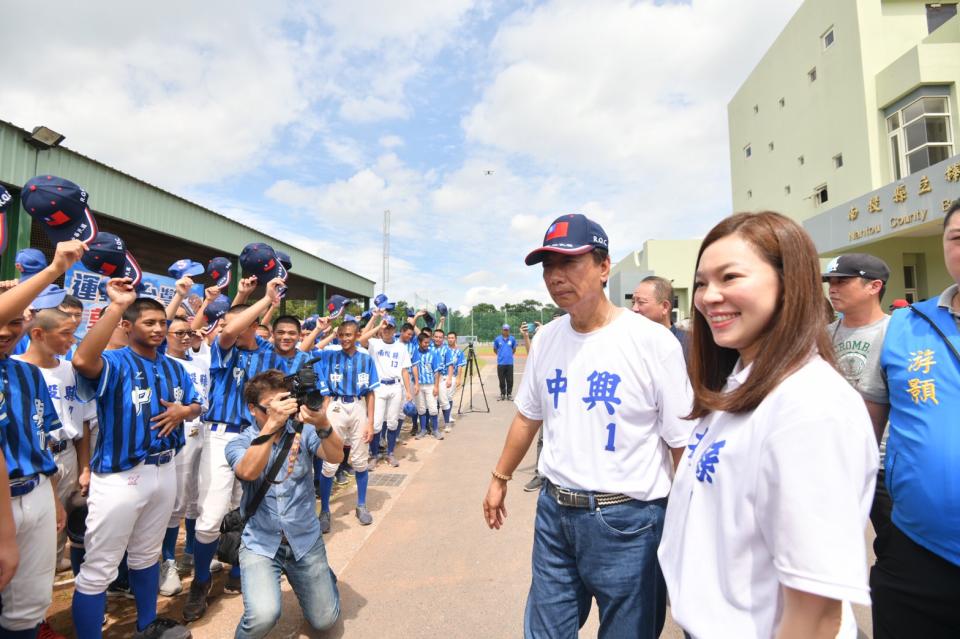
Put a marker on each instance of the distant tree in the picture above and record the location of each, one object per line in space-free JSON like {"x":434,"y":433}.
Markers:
{"x":483,"y":307}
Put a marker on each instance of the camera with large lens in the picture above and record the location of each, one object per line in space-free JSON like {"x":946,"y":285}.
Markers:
{"x":303,"y":387}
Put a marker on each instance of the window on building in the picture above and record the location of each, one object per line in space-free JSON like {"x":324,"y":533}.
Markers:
{"x":756,"y":108}
{"x":838,"y":160}
{"x":820,"y":195}
{"x":827,"y":38}
{"x":938,"y":13}
{"x":783,"y":102}
{"x":747,"y":151}
{"x":800,"y":160}
{"x":812,"y":74}
{"x":910,"y":283}
{"x":920,"y":135}
{"x":770,"y":146}
{"x":786,"y":190}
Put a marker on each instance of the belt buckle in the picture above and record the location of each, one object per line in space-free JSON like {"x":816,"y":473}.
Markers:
{"x":563,"y":492}
{"x":165,"y":456}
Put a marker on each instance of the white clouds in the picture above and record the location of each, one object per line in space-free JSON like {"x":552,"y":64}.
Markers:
{"x":391,"y":141}
{"x":477,"y":277}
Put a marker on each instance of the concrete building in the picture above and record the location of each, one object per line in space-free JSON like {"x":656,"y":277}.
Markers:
{"x":849,"y":124}
{"x":674,"y":260}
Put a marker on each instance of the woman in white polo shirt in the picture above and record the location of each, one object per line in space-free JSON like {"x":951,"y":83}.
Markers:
{"x":764,"y":531}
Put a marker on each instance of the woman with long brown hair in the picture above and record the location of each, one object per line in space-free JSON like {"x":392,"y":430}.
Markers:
{"x":764,"y":532}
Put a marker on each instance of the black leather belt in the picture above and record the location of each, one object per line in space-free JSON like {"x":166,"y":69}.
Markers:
{"x":574,"y":499}
{"x":345,"y":399}
{"x":389,"y":382}
{"x":57,"y":447}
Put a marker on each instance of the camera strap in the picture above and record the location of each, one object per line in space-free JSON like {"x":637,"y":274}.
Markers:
{"x":271,"y":475}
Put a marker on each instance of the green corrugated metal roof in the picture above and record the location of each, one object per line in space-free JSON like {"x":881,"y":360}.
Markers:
{"x":124,"y":197}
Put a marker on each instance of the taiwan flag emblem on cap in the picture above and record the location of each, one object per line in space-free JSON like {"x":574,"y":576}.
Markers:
{"x":557,"y":229}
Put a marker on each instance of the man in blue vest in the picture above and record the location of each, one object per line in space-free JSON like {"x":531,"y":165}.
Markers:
{"x":916,"y":580}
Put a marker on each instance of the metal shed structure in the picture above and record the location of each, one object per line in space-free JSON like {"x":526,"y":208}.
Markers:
{"x":154,"y":223}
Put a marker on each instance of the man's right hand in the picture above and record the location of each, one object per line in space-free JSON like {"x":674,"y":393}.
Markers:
{"x":279,"y":410}
{"x":184,"y":284}
{"x":67,"y":254}
{"x":247,"y":285}
{"x":120,"y":291}
{"x":211,"y":293}
{"x":273,"y":289}
{"x":494,"y":504}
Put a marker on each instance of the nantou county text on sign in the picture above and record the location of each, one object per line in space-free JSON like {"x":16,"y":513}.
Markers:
{"x":900,"y":206}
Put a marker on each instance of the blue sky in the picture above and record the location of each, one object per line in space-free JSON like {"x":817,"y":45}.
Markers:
{"x":308,"y":119}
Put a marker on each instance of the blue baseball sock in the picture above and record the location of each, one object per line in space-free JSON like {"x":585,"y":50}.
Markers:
{"x":145,"y":585}
{"x":326,"y":487}
{"x":375,"y":445}
{"x":88,"y":612}
{"x":424,"y":420}
{"x":446,"y":415}
{"x":433,"y":423}
{"x":362,"y":488}
{"x":191,"y":526}
{"x":76,"y":558}
{"x":235,"y":571}
{"x":202,"y":556}
{"x":392,"y":440}
{"x":169,"y":547}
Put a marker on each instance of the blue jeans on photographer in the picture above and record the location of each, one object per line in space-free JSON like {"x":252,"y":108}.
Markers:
{"x":312,"y":581}
{"x":605,"y":553}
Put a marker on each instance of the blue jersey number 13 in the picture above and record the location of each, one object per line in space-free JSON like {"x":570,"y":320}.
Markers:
{"x":611,"y":434}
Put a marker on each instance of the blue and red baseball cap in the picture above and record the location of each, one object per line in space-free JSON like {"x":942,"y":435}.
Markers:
{"x":60,"y":206}
{"x":285,"y":260}
{"x":261,"y":260}
{"x":219,"y":270}
{"x":5,"y":200}
{"x":442,"y":310}
{"x":389,"y":321}
{"x":107,"y":255}
{"x":310,"y":323}
{"x":411,"y":312}
{"x":336,"y":304}
{"x":366,"y":315}
{"x":572,"y":234}
{"x":185,"y":268}
{"x":31,"y":261}
{"x":217,"y":308}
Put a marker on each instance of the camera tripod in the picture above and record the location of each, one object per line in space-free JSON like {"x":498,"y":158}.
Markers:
{"x":473,"y":370}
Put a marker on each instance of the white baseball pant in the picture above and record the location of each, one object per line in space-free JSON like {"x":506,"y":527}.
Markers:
{"x":426,"y":400}
{"x":68,"y":468}
{"x":128,"y":511}
{"x":387,"y":404}
{"x":28,"y":595}
{"x":349,"y":420}
{"x":216,"y":484}
{"x":188,"y":471}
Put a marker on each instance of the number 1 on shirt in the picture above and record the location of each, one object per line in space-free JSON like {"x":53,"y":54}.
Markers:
{"x":611,"y":434}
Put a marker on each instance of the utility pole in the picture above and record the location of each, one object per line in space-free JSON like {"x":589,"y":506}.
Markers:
{"x":385,"y":269}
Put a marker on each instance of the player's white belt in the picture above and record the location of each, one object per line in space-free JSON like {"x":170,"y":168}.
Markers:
{"x":24,"y":485}
{"x":574,"y":499}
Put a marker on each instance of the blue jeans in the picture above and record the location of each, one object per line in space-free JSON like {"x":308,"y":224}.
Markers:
{"x":311,"y":579}
{"x":609,"y":554}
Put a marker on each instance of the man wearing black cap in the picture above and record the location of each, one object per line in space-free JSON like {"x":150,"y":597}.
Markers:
{"x":610,"y":390}
{"x":856,"y":283}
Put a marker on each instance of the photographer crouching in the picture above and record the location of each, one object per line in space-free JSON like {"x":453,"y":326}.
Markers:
{"x":274,"y":461}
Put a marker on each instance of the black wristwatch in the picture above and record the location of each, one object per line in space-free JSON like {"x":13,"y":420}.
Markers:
{"x":323,"y":434}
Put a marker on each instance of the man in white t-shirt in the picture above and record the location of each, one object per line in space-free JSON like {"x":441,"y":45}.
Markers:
{"x":392,"y":360}
{"x":610,"y":390}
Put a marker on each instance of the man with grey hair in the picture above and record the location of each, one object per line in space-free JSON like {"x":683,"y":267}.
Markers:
{"x":653,"y":298}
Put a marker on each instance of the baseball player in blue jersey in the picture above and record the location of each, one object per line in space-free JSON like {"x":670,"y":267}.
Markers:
{"x":142,"y":398}
{"x":236,"y":356}
{"x":457,"y":360}
{"x":286,"y":336}
{"x":447,"y":361}
{"x":351,"y":377}
{"x":179,"y":338}
{"x":30,"y":466}
{"x":427,"y":369}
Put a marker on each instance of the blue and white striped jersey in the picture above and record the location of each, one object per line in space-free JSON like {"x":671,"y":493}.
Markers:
{"x":348,"y":375}
{"x":428,"y":365}
{"x":30,"y":415}
{"x":229,"y":371}
{"x":459,"y":361}
{"x":128,"y":394}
